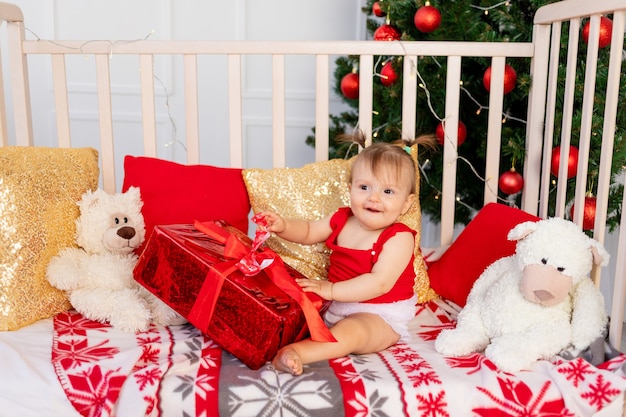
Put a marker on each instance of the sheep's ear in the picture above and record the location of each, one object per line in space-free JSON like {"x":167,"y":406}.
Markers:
{"x":600,"y":255}
{"x":522,"y":230}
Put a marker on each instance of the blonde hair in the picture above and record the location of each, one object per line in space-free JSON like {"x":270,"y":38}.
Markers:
{"x":382,"y":156}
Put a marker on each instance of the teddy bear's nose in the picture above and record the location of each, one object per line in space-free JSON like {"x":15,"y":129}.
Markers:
{"x":126,"y":232}
{"x":543,"y":295}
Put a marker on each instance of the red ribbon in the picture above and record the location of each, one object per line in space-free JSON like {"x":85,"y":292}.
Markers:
{"x":235,"y":250}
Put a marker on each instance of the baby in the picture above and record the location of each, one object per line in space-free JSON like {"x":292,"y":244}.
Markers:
{"x":371,"y":275}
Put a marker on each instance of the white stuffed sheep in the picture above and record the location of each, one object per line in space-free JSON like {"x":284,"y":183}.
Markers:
{"x":98,"y":276}
{"x":535,"y":303}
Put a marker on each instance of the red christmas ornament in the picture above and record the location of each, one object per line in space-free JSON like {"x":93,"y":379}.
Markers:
{"x":377,"y":10}
{"x":388,"y":74}
{"x":510,"y":78}
{"x":386,"y":32}
{"x":427,"y":18}
{"x":461,"y":133}
{"x":589,"y":212}
{"x":572,"y":161}
{"x":606,"y":30}
{"x":511,"y":182}
{"x":350,"y":85}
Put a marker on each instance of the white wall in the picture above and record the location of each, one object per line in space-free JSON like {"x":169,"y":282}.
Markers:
{"x":185,"y":20}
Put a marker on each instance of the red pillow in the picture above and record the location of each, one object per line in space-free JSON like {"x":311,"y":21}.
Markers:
{"x":483,"y":241}
{"x":181,"y":194}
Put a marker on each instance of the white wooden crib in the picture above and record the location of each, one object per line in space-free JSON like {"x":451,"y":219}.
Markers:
{"x":25,"y":373}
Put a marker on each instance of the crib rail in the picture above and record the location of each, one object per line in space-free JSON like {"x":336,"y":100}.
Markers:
{"x":237,"y":51}
{"x":544,"y":100}
{"x":550,"y":24}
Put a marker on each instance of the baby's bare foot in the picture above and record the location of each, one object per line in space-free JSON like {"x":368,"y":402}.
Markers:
{"x":288,"y":360}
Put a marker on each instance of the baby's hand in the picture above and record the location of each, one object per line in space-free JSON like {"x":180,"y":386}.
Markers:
{"x":322,"y":288}
{"x":273,"y":222}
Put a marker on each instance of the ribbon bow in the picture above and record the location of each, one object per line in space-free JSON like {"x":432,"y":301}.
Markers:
{"x":250,"y":261}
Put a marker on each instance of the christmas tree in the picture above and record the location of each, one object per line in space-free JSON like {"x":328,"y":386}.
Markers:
{"x":487,"y":21}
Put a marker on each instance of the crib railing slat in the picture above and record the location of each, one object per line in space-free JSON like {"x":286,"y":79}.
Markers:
{"x":59,"y":82}
{"x":192,"y":126}
{"x":409,"y":96}
{"x":494,"y":130}
{"x":568,"y":112}
{"x":322,"y":94}
{"x":608,"y":130}
{"x":450,"y":155}
{"x":366,"y":91}
{"x":550,"y":117}
{"x":107,"y":154}
{"x":20,"y":84}
{"x":235,"y":137}
{"x":619,"y":284}
{"x":533,"y":191}
{"x":608,"y":126}
{"x":4,"y":133}
{"x":10,"y":13}
{"x":278,"y":111}
{"x":584,"y":142}
{"x":148,"y":116}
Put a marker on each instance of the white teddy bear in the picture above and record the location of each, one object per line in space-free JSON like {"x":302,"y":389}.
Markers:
{"x":98,"y":276}
{"x":535,"y":303}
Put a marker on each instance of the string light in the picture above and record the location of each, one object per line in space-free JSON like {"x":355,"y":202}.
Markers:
{"x":82,"y":46}
{"x":487,"y":9}
{"x":378,"y":63}
{"x":171,"y":118}
{"x":481,"y":107}
{"x":112,"y":44}
{"x":510,"y":200}
{"x":375,"y":133}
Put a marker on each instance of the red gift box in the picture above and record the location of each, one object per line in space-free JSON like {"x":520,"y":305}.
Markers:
{"x":197,"y":273}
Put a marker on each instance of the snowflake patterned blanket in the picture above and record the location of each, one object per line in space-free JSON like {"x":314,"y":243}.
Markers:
{"x":177,"y":371}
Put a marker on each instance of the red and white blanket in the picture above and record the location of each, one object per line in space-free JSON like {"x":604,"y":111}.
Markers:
{"x":177,"y":371}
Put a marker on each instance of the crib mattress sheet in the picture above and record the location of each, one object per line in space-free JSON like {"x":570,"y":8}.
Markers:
{"x":70,"y":366}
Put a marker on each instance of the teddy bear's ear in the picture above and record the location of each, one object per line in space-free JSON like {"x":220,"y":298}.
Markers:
{"x":135,"y":194}
{"x":522,"y":230}
{"x":600,"y":255}
{"x":90,"y":198}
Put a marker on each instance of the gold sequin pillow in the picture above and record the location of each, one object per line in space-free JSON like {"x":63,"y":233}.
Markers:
{"x":39,"y":188}
{"x":314,"y":191}
{"x":413,"y":219}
